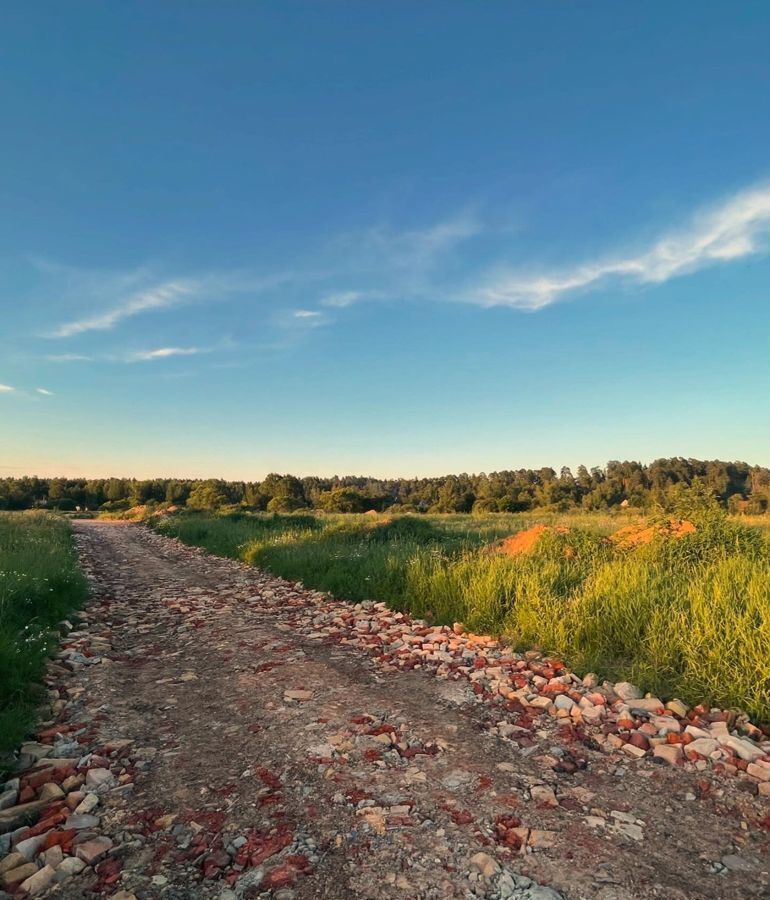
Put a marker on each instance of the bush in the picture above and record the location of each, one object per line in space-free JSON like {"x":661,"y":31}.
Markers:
{"x":115,"y":505}
{"x":285,"y":504}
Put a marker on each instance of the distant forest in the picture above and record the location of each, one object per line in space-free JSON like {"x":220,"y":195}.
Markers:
{"x":736,"y":485}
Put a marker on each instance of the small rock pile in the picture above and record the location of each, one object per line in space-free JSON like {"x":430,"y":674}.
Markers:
{"x":58,"y":783}
{"x":534,"y":690}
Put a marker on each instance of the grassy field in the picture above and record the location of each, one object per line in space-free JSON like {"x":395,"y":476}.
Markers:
{"x":40,"y":584}
{"x":687,"y":617}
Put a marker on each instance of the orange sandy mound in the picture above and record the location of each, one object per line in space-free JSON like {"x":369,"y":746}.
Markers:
{"x":524,"y":542}
{"x":642,"y":533}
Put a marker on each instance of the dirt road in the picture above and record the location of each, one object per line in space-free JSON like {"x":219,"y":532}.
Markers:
{"x":268,"y":760}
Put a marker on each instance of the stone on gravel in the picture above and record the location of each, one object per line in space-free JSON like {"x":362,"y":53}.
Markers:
{"x":82,"y":822}
{"x":53,"y":856}
{"x":87,"y":805}
{"x":543,"y":795}
{"x":14,"y":816}
{"x":92,"y":851}
{"x":484,"y":864}
{"x":69,"y":867}
{"x":736,"y":863}
{"x":30,"y":846}
{"x":36,"y":750}
{"x":704,"y":746}
{"x":17,"y":875}
{"x":627,"y":691}
{"x":38,"y":882}
{"x":539,"y":892}
{"x":297,"y":695}
{"x":12,"y":861}
{"x":100,"y":778}
{"x":760,"y":772}
{"x":670,"y":753}
{"x":743,"y":748}
{"x":678,"y":708}
{"x":50,"y":792}
{"x":540,"y":839}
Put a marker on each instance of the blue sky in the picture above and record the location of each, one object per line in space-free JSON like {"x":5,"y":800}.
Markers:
{"x":388,"y":239}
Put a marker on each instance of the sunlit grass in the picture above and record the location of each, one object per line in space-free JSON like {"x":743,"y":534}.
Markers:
{"x":40,"y":584}
{"x":687,"y":617}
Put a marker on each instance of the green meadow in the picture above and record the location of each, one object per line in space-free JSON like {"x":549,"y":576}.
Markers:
{"x":40,"y":584}
{"x":688,"y":617}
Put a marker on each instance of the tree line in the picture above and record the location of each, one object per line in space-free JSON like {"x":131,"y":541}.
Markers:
{"x":736,"y":485}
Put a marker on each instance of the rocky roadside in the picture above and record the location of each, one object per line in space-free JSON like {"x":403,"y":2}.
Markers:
{"x":217,"y":732}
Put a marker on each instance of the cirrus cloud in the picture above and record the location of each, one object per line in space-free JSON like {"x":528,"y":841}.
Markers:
{"x":162,"y":353}
{"x":737,"y":228}
{"x":161,"y":296}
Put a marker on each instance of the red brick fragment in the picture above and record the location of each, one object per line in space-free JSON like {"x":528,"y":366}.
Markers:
{"x":270,"y":846}
{"x":299,"y":861}
{"x":280,"y":876}
{"x":269,"y":778}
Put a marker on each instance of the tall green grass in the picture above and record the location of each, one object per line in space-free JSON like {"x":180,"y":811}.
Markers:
{"x":40,"y":584}
{"x":687,"y":617}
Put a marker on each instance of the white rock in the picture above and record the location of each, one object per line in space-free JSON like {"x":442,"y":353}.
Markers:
{"x":743,"y":748}
{"x":704,"y":746}
{"x":627,"y":691}
{"x":87,"y":805}
{"x":99,"y":778}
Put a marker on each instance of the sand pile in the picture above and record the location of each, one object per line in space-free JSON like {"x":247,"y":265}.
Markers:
{"x":644,"y":533}
{"x":524,"y":542}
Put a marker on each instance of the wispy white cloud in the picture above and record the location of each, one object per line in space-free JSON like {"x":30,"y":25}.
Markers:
{"x":418,"y":249}
{"x":120,"y":296}
{"x":383,"y":263}
{"x":44,"y":392}
{"x":162,"y":353}
{"x":739,"y":227}
{"x":432,"y":264}
{"x":134,"y":356}
{"x":6,"y":389}
{"x":161,"y":296}
{"x":340,"y":299}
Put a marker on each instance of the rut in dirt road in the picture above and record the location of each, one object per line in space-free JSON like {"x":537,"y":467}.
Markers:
{"x":268,"y":759}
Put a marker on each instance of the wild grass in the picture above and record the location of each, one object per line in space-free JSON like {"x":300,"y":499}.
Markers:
{"x":40,"y":584}
{"x":688,"y":617}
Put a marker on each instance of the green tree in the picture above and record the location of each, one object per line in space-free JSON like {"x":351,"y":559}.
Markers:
{"x":283,"y":486}
{"x":343,"y":500}
{"x":209,"y":494}
{"x":285,"y":504}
